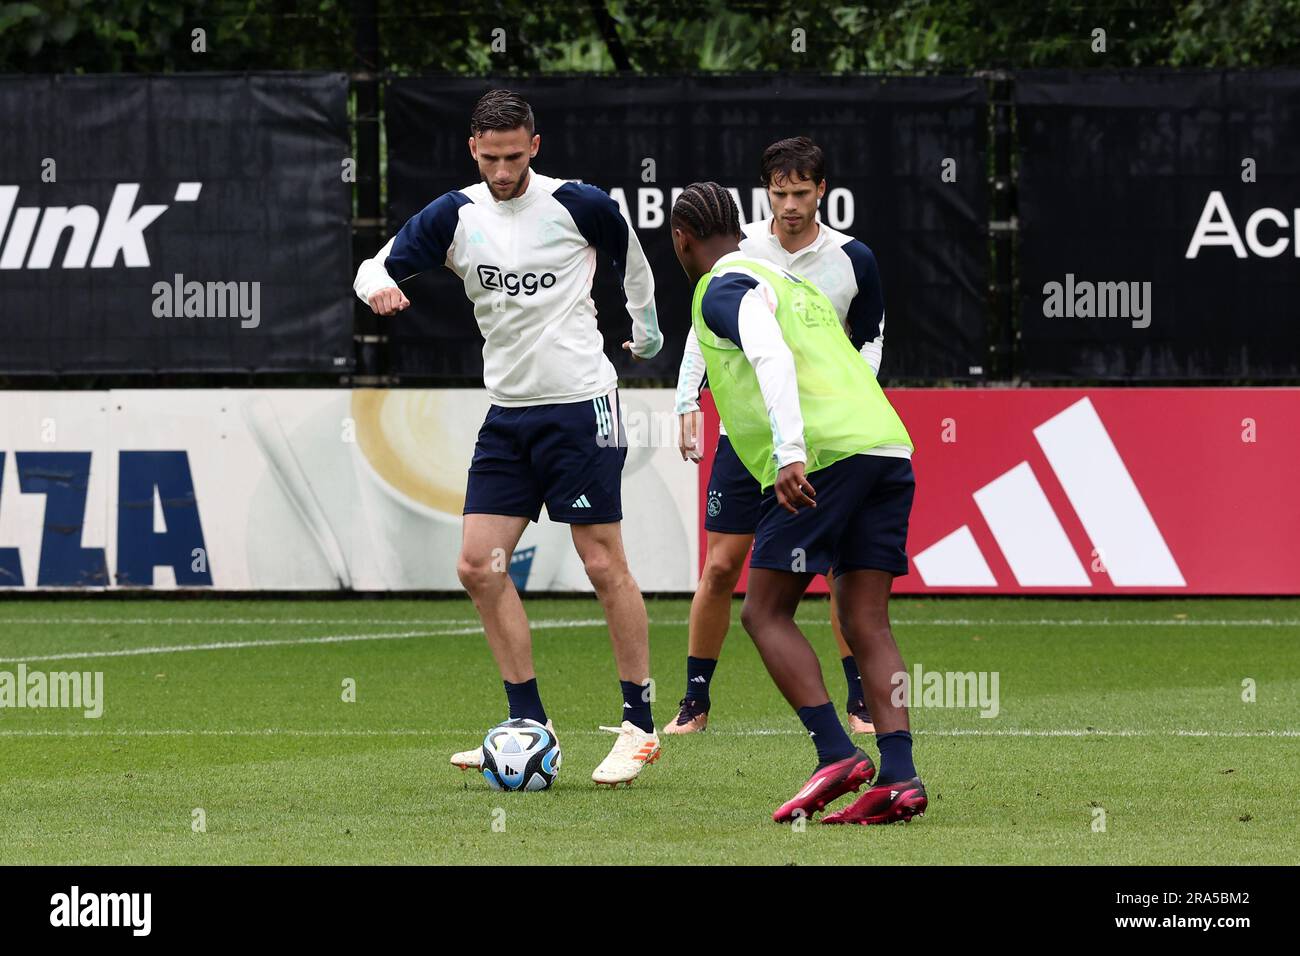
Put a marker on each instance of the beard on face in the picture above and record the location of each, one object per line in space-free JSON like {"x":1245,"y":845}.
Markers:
{"x":795,"y":226}
{"x":512,"y":190}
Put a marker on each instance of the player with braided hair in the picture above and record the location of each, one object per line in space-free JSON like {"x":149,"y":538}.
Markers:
{"x":707,"y":207}
{"x":793,"y":238}
{"x":804,"y":413}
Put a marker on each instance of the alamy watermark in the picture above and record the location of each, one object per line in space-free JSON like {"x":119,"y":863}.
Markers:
{"x":643,"y":429}
{"x":950,"y":689}
{"x":208,"y":300}
{"x":133,"y":911}
{"x":77,"y":690}
{"x":1083,"y":299}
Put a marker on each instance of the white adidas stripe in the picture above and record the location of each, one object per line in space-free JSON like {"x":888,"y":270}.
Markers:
{"x":1103,"y":494}
{"x":1105,"y":498}
{"x":1031,"y":537}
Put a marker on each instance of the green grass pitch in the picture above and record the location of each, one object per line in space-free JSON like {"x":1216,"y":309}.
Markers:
{"x":235,"y":708}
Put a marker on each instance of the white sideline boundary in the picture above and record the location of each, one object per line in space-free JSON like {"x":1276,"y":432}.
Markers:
{"x":274,"y":642}
{"x":757,"y":732}
{"x":444,"y":622}
{"x":235,"y":621}
{"x":473,"y":627}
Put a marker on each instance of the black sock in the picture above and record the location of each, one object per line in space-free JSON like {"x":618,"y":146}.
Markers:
{"x":854,"y":680}
{"x":827,"y":733}
{"x":525,"y":702}
{"x":895,"y":757}
{"x":636,"y":705}
{"x":699,"y":674}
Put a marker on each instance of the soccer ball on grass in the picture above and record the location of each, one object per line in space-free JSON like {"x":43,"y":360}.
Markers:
{"x":520,"y":754}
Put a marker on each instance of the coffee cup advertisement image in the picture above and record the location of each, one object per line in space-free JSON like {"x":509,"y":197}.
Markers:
{"x":295,"y":489}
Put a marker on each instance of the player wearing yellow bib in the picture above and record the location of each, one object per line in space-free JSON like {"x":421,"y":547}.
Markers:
{"x":794,"y":238}
{"x":803,"y":412}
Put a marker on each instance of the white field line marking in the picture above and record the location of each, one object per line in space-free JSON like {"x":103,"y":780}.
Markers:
{"x":1057,"y":622}
{"x":284,"y":642}
{"x":478,"y":630}
{"x":757,"y":732}
{"x":443,"y":622}
{"x":238,"y":621}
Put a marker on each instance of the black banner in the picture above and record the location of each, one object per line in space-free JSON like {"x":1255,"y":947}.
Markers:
{"x":175,"y":224}
{"x":886,"y":142}
{"x":129,"y":905}
{"x":1159,"y":228}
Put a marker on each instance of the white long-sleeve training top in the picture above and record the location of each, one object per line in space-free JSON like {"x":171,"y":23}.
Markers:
{"x":528,"y":264}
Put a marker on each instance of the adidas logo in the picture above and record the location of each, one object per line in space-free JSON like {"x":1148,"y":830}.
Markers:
{"x":604,"y":419}
{"x":893,"y":794}
{"x":809,"y":788}
{"x":699,"y":679}
{"x":646,"y":752}
{"x":581,"y":502}
{"x":1098,"y":486}
{"x":122,"y":234}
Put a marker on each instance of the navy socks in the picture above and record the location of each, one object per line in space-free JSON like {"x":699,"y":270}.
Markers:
{"x":895,"y":757}
{"x":699,"y":674}
{"x":635,"y":707}
{"x":854,"y":681}
{"x":525,"y":702}
{"x":827,"y":733}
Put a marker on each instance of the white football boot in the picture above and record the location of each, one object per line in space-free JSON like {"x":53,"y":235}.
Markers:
{"x":633,"y":750}
{"x":473,"y":759}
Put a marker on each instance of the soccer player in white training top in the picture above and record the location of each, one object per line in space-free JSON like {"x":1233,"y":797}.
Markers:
{"x":525,"y":245}
{"x":793,"y":238}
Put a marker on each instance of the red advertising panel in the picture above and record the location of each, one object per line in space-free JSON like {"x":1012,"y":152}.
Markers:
{"x":1098,"y":490}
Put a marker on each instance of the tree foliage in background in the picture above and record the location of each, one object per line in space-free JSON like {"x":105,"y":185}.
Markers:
{"x":100,"y":36}
{"x":157,"y":36}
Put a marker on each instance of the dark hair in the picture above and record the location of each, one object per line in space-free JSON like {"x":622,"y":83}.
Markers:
{"x":707,"y":209}
{"x":500,"y":110}
{"x":797,"y":157}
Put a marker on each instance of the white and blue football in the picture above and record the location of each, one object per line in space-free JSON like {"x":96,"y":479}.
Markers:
{"x":520,"y":754}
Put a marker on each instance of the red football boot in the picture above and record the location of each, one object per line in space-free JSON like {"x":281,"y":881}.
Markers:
{"x":885,"y":803}
{"x":826,"y":784}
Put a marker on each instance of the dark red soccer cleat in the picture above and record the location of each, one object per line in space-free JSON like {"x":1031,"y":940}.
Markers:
{"x":885,"y":803}
{"x":827,"y":783}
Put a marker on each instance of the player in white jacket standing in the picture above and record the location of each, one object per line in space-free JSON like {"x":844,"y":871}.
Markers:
{"x":525,"y":246}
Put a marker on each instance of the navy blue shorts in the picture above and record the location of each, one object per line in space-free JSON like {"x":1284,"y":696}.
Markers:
{"x":859,"y":524}
{"x":734,"y":495}
{"x":567,"y":456}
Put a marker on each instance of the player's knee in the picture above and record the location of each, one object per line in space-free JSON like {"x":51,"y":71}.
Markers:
{"x":601,"y":566}
{"x":477,"y":575}
{"x":721,"y":573}
{"x":752,"y":617}
{"x":597,"y":562}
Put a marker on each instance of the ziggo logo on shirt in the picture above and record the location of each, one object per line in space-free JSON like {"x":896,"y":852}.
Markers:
{"x":492,"y":279}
